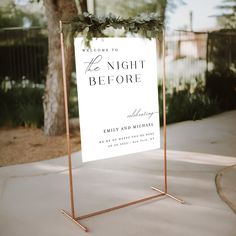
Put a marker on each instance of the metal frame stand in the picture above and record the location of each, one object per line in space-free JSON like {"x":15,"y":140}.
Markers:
{"x":161,"y":193}
{"x":165,"y":192}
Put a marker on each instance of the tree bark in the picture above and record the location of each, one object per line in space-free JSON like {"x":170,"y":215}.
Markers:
{"x":54,"y":115}
{"x":83,"y":6}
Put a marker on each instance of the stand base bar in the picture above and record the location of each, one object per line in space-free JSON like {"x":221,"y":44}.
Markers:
{"x":167,"y":194}
{"x":74,"y":220}
{"x":118,"y":207}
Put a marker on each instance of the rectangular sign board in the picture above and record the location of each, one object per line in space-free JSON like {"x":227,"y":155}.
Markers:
{"x":118,"y":96}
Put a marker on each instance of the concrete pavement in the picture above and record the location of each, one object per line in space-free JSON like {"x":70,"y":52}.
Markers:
{"x":213,"y":135}
{"x":31,"y":195}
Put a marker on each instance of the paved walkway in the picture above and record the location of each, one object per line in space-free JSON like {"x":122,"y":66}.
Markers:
{"x":31,"y":195}
{"x":214,"y":135}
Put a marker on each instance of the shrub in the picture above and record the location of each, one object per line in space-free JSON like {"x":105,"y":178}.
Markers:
{"x":73,"y":102}
{"x":221,"y":79}
{"x":221,"y":85}
{"x":184,"y":105}
{"x":21,"y":106}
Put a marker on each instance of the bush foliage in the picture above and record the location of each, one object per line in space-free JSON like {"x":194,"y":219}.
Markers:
{"x":184,"y":104}
{"x":22,"y":106}
{"x":221,"y":79}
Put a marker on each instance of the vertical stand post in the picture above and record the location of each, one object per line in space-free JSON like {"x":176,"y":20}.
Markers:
{"x":164,"y":107}
{"x":67,"y":122}
{"x":165,"y":192}
{"x":72,"y":214}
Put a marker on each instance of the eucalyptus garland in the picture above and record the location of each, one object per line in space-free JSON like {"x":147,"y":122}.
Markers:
{"x":91,"y":26}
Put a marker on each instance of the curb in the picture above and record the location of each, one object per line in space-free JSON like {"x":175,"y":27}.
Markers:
{"x":220,"y":188}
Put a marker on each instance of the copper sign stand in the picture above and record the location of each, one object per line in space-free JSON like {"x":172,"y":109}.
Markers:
{"x":161,"y":193}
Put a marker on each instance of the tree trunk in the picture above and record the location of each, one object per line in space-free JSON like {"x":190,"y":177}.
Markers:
{"x":54,"y":115}
{"x":83,"y":6}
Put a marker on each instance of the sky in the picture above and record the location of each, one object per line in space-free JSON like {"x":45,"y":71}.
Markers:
{"x":201,"y":9}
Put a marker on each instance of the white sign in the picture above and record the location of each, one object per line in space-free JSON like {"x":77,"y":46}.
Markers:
{"x":118,"y":96}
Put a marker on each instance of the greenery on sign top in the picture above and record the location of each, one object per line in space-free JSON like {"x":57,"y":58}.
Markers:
{"x":90,"y":26}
